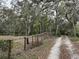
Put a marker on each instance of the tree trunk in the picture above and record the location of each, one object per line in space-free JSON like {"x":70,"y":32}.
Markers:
{"x":74,"y":29}
{"x":57,"y":30}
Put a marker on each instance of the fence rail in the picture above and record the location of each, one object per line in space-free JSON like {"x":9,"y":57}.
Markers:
{"x":4,"y":37}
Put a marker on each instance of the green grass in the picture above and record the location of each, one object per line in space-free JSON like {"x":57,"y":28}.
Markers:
{"x":41,"y":51}
{"x":75,"y":39}
{"x":34,"y":53}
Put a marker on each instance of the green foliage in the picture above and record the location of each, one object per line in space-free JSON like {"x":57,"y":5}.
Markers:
{"x":27,"y":19}
{"x":77,"y":29}
{"x":4,"y":45}
{"x":75,"y":38}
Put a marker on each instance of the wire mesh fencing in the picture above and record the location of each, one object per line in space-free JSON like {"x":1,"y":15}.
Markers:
{"x":18,"y":47}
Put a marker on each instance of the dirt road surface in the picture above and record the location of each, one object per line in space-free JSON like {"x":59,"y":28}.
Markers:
{"x":63,"y":49}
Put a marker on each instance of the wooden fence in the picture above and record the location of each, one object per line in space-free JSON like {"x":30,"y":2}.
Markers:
{"x":25,"y":38}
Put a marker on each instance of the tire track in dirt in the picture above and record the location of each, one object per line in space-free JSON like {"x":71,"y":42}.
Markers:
{"x":70,"y":48}
{"x":55,"y":50}
{"x":63,"y":49}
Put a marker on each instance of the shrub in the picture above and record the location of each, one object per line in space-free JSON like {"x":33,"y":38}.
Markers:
{"x":4,"y":45}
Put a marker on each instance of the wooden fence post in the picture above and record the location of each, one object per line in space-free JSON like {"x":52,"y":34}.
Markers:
{"x":9,"y":49}
{"x":24,"y":43}
{"x":27,"y":40}
{"x":37,"y":40}
{"x":32,"y":40}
